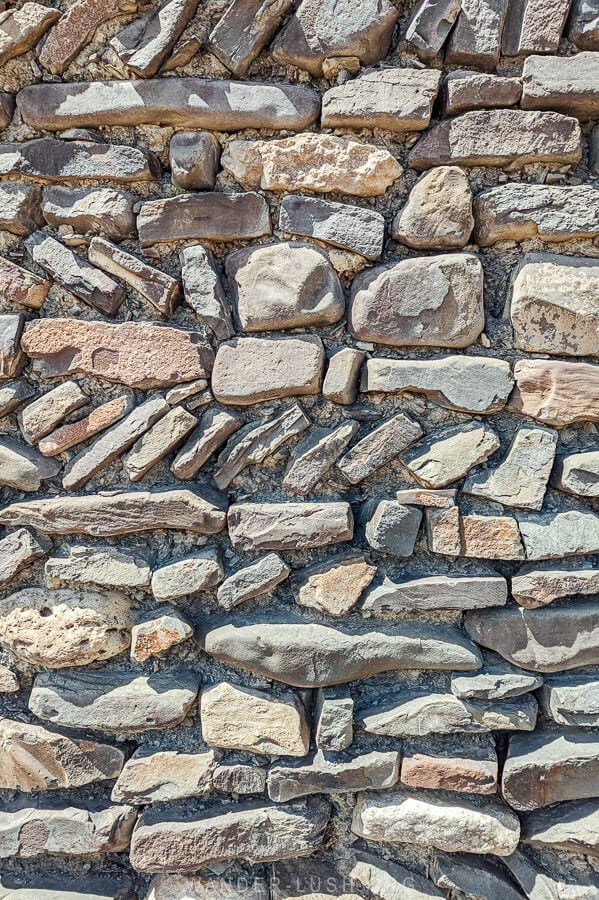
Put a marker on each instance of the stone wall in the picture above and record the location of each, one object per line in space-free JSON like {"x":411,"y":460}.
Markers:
{"x":299,"y":462}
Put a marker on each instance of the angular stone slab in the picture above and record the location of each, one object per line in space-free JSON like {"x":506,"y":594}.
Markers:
{"x":369,"y":771}
{"x":544,"y":640}
{"x":39,"y":418}
{"x":114,"y":702}
{"x":333,"y":719}
{"x":194,"y":159}
{"x":396,"y":100}
{"x":11,"y":356}
{"x":494,"y":682}
{"x":49,"y":160}
{"x":436,"y":592}
{"x":252,"y":581}
{"x":333,"y":587}
{"x":573,"y":827}
{"x":312,"y":655}
{"x":20,"y":211}
{"x":98,"y":420}
{"x":14,"y":394}
{"x":340,"y":383}
{"x":144,"y":44}
{"x":571,"y":699}
{"x":21,"y":28}
{"x":22,"y":287}
{"x":490,"y":537}
{"x":182,"y":102}
{"x":469,"y":768}
{"x":22,"y":467}
{"x":438,"y":213}
{"x":463,"y":91}
{"x":443,"y":457}
{"x":536,"y":882}
{"x":215,"y":427}
{"x":204,"y":292}
{"x":168,"y":433}
{"x":351,"y":228}
{"x":378,"y":447}
{"x":140,"y":355}
{"x":157,"y":287}
{"x":534,"y":26}
{"x":393,"y":528}
{"x":501,"y":137}
{"x":106,"y":566}
{"x":188,"y":575}
{"x":18,"y":550}
{"x":537,"y":587}
{"x":208,"y":216}
{"x":162,"y":629}
{"x":583,"y":25}
{"x":556,"y":393}
{"x":288,"y":526}
{"x":554,"y":535}
{"x":164,"y":775}
{"x":248,"y":370}
{"x":577,"y":473}
{"x":564,"y":84}
{"x":458,"y":872}
{"x":119,"y":512}
{"x":314,"y":457}
{"x":474,"y":384}
{"x":244,"y":30}
{"x":429,"y":26}
{"x":476,"y":38}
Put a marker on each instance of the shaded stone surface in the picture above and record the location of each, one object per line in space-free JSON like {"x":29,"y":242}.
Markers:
{"x":11,"y":356}
{"x":340,"y":383}
{"x":194,"y":159}
{"x":22,"y":287}
{"x":202,"y":886}
{"x":103,"y":210}
{"x":429,"y":26}
{"x":21,"y":28}
{"x":13,"y":395}
{"x":573,"y":827}
{"x":252,"y":581}
{"x":494,"y":682}
{"x":103,"y":565}
{"x":160,"y":289}
{"x":378,"y":447}
{"x":436,"y":592}
{"x":583,"y":25}
{"x":145,"y":43}
{"x":288,"y":526}
{"x":333,"y":719}
{"x":215,"y":427}
{"x":476,"y":38}
{"x":536,"y":883}
{"x":99,"y":419}
{"x":369,"y":771}
{"x":387,"y":879}
{"x":204,"y":292}
{"x":438,"y":213}
{"x":76,"y":28}
{"x":571,"y":699}
{"x":20,"y":211}
{"x":22,"y":467}
{"x":42,"y":415}
{"x":458,"y":872}
{"x":534,"y":26}
{"x":315,"y":455}
{"x":393,"y":528}
{"x":208,"y":216}
{"x":577,"y":473}
{"x":348,"y":227}
{"x":244,"y":30}
{"x":18,"y":550}
{"x":464,"y":90}
{"x":164,"y":775}
{"x":50,"y":160}
{"x":563,"y":84}
{"x":316,"y":880}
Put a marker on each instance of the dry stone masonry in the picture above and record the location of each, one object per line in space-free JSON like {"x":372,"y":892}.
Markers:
{"x":299,"y":449}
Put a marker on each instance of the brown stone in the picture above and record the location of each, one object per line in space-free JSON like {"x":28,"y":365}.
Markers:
{"x":20,"y":211}
{"x":244,"y":30}
{"x":471,"y":771}
{"x":160,"y":439}
{"x":476,"y":38}
{"x":164,"y":775}
{"x":534,"y":26}
{"x":333,"y":587}
{"x":378,"y":447}
{"x":583,"y":25}
{"x":443,"y":531}
{"x":21,"y":287}
{"x":216,"y":426}
{"x":21,"y":28}
{"x":22,"y":467}
{"x":76,"y":28}
{"x":556,"y":393}
{"x":441,"y":499}
{"x":50,"y":160}
{"x":209,"y":216}
{"x":288,"y":526}
{"x":538,"y":587}
{"x":463,"y":91}
{"x":102,"y":210}
{"x":194,"y":159}
{"x":438,"y":213}
{"x":75,"y":433}
{"x":491,"y":537}
{"x":157,"y":287}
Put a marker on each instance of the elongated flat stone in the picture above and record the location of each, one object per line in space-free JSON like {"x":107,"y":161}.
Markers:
{"x":316,"y":455}
{"x":577,"y":473}
{"x":188,"y":575}
{"x":444,"y":457}
{"x":144,"y":44}
{"x":22,"y":467}
{"x":538,"y":883}
{"x":11,"y":355}
{"x":313,"y":880}
{"x":76,"y":28}
{"x":494,"y":682}
{"x":571,"y":699}
{"x":556,"y":393}
{"x":500,"y":137}
{"x":563,"y":84}
{"x":180,"y":887}
{"x":183,"y":102}
{"x":476,"y":38}
{"x":369,"y":771}
{"x":215,"y":427}
{"x":379,"y":447}
{"x":40,"y":417}
{"x":18,"y":550}
{"x":464,"y":383}
{"x":20,"y":286}
{"x":333,"y":587}
{"x":463,"y":91}
{"x":464,"y":766}
{"x":52,"y":887}
{"x":50,"y":160}
{"x":20,"y":211}
{"x":106,"y":566}
{"x":252,"y":581}
{"x":164,"y":775}
{"x":534,"y":26}
{"x":437,"y":592}
{"x":542,"y":640}
{"x":21,"y":28}
{"x":139,"y":355}
{"x":288,"y":526}
{"x":204,"y":292}
{"x":153,"y":444}
{"x":157,"y":287}
{"x":119,"y":512}
{"x":553,"y":535}
{"x":573,"y":827}
{"x":312,"y":655}
{"x":99,"y":419}
{"x":114,"y":702}
{"x":338,"y":224}
{"x":429,"y":26}
{"x":208,"y":216}
{"x":244,"y":30}
{"x":533,"y":587}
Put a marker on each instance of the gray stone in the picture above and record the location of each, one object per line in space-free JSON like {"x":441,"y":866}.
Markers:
{"x":21,"y":28}
{"x":500,"y":137}
{"x":393,"y":528}
{"x":463,"y":91}
{"x":564,"y":84}
{"x":13,"y":395}
{"x":423,"y":302}
{"x":11,"y":354}
{"x":248,"y":370}
{"x":333,"y":719}
{"x":237,"y":778}
{"x":106,"y":566}
{"x":163,"y":628}
{"x":340,"y":383}
{"x":208,"y":216}
{"x":397,"y":100}
{"x":289,"y":526}
{"x":22,"y":287}
{"x":338,"y":775}
{"x":103,"y":210}
{"x":494,"y":682}
{"x":144,"y":44}
{"x":7,"y":108}
{"x":378,"y":447}
{"x":351,"y":228}
{"x":153,"y":285}
{"x":204,"y":886}
{"x":538,"y":885}
{"x":244,"y":30}
{"x":429,"y":26}
{"x":554,"y":535}
{"x":114,"y":702}
{"x":318,"y":30}
{"x":464,"y":383}
{"x":390,"y":881}
{"x":22,"y":467}
{"x":20,"y":211}
{"x":204,"y":292}
{"x":315,"y":880}
{"x":476,"y":38}
{"x":436,"y":592}
{"x":43,"y":415}
{"x":18,"y":550}
{"x":164,"y":775}
{"x":194,"y":157}
{"x":571,"y":699}
{"x":284,"y":285}
{"x":545,"y":640}
{"x":215,"y":427}
{"x":534,"y":26}
{"x":583,"y":25}
{"x":252,"y":581}
{"x":474,"y":879}
{"x":313,"y":655}
{"x":315,"y":455}
{"x":168,"y":433}
{"x":554,"y":392}
{"x":99,"y":419}
{"x":537,"y":587}
{"x":50,"y":887}
{"x":188,"y":575}
{"x":573,"y":827}
{"x":438,"y":213}
{"x":52,"y":161}
{"x":443,"y":457}
{"x":577,"y":473}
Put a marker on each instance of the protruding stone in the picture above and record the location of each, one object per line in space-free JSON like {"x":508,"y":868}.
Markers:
{"x":204,"y":292}
{"x":494,"y":682}
{"x":215,"y":427}
{"x":194,"y":157}
{"x":577,"y":473}
{"x":99,"y":419}
{"x":476,"y":38}
{"x":114,"y":702}
{"x":369,"y":771}
{"x":22,"y":467}
{"x":583,"y":25}
{"x":464,"y":91}
{"x":22,"y":27}
{"x":334,"y":719}
{"x":438,"y":214}
{"x":188,"y":576}
{"x":65,"y":162}
{"x":378,"y":447}
{"x":571,"y":699}
{"x":252,"y":581}
{"x":11,"y":356}
{"x":469,"y":769}
{"x":457,"y":872}
{"x":18,"y":550}
{"x":537,"y":587}
{"x":20,"y":286}
{"x":208,"y":216}
{"x":106,"y":566}
{"x":289,"y":526}
{"x":429,"y":26}
{"x":167,"y":434}
{"x":315,"y":455}
{"x":39,"y":418}
{"x":101,"y":210}
{"x":351,"y":228}
{"x":20,"y":211}
{"x":436,"y":592}
{"x":393,"y":528}
{"x":144,"y":44}
{"x":244,"y":30}
{"x":340,"y":383}
{"x":165,"y":628}
{"x":573,"y":827}
{"x":566,"y":84}
{"x":556,"y":393}
{"x":534,"y":26}
{"x":422,"y":302}
{"x":490,"y":537}
{"x":165,"y":775}
{"x":152,"y":284}
{"x":502,"y":137}
{"x":333,"y":587}
{"x":444,"y":457}
{"x":429,"y":499}
{"x":238,"y":778}
{"x":553,"y":535}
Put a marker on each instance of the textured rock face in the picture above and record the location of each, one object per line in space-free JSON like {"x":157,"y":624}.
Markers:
{"x":337,"y":224}
{"x":472,"y":770}
{"x":476,"y":38}
{"x":438,"y":214}
{"x":213,"y":217}
{"x":163,"y":776}
{"x":565,"y":85}
{"x":333,"y":588}
{"x":555,"y":392}
{"x":370,"y":771}
{"x":378,"y":447}
{"x":289,"y":526}
{"x":436,"y":592}
{"x":52,"y":161}
{"x":463,"y":91}
{"x":438,"y":461}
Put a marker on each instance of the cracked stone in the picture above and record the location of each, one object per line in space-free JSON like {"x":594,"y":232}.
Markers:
{"x":378,"y":447}
{"x":203,"y":291}
{"x":494,"y":682}
{"x":145,"y":43}
{"x":168,"y":433}
{"x":167,"y":629}
{"x":163,"y":776}
{"x":106,"y":566}
{"x":429,"y":26}
{"x":103,"y":210}
{"x":570,"y":699}
{"x":314,"y":456}
{"x":18,"y":551}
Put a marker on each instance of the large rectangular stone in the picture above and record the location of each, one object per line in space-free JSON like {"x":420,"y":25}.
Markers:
{"x":566,"y":84}
{"x":207,"y":216}
{"x":288,"y":526}
{"x":534,"y":26}
{"x":476,"y":39}
{"x":51,"y":160}
{"x":555,"y":392}
{"x":338,"y":224}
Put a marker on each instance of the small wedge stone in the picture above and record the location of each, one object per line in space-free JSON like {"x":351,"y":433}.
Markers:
{"x":214,"y":428}
{"x":348,"y":227}
{"x":334,"y":587}
{"x":188,"y":575}
{"x":204,"y":292}
{"x":441,"y":458}
{"x":316,"y":455}
{"x":13,"y":395}
{"x":38,"y":419}
{"x":378,"y":447}
{"x":252,"y":581}
{"x":194,"y":157}
{"x":165,"y":629}
{"x":21,"y":287}
{"x":157,"y":287}
{"x":18,"y":550}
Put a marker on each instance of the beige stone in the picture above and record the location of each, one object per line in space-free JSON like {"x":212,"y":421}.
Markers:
{"x":566,"y":84}
{"x":40,"y":417}
{"x":556,"y":393}
{"x":21,"y":28}
{"x":491,"y":537}
{"x":289,"y":526}
{"x":438,"y":214}
{"x":167,"y":434}
{"x":441,"y":458}
{"x":164,"y":775}
{"x":333,"y":587}
{"x":20,"y":286}
{"x":165,"y":629}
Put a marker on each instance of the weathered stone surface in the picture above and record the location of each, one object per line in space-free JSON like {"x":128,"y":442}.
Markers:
{"x":438,"y":214}
{"x":315,"y":455}
{"x":209,"y":216}
{"x":20,"y":211}
{"x":204,"y":886}
{"x":476,"y":38}
{"x":564,"y":84}
{"x":76,"y":28}
{"x":393,"y":528}
{"x":18,"y":550}
{"x":321,"y":163}
{"x":500,"y":137}
{"x":288,"y":526}
{"x":556,"y":393}
{"x":99,"y":419}
{"x":348,"y":227}
{"x":21,"y":28}
{"x":577,"y":473}
{"x":548,"y":767}
{"x":571,"y":699}
{"x":397,"y":100}
{"x":443,"y":532}
{"x":21,"y":287}
{"x":469,"y":769}
{"x":573,"y":827}
{"x":430,"y":24}
{"x":165,"y":628}
{"x":139,"y":355}
{"x":164,"y":775}
{"x":144,"y":44}
{"x":244,"y":30}
{"x":313,"y":655}
{"x":463,"y":91}
{"x":215,"y":427}
{"x":103,"y":210}
{"x":40,"y":417}
{"x":553,"y":535}
{"x":11,"y":356}
{"x":22,"y":467}
{"x":315,"y":880}
{"x":534,"y":26}
{"x":40,"y":829}
{"x":427,"y":301}
{"x":431,"y":821}
{"x":35,"y":759}
{"x":378,"y":447}
{"x":106,"y":566}
{"x":458,"y":872}
{"x":318,"y":30}
{"x":340,"y":383}
{"x":369,"y":771}
{"x":490,"y":537}
{"x":280,"y":367}
{"x":583,"y":25}
{"x":253,"y":831}
{"x":537,"y":587}
{"x":333,"y":587}
{"x":464,"y":383}
{"x":545,"y":640}
{"x":538,"y":884}
{"x":7,"y":108}
{"x":194,"y":157}
{"x":52,"y":887}
{"x":167,"y":434}
{"x":157,"y":287}
{"x":437,"y":592}
{"x":114,"y":702}
{"x":239,"y":718}
{"x":333,"y":719}
{"x":494,"y":682}
{"x":253,"y":580}
{"x":427,"y":498}
{"x":387,"y":880}
{"x":188,"y":575}
{"x":14,"y":394}
{"x":120,"y":512}
{"x":204,"y":292}
{"x":182,"y":102}
{"x":50,"y":160}
{"x":237,"y":778}
{"x":443,"y":457}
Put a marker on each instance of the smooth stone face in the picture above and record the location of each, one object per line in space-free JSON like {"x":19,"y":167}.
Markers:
{"x":453,"y":871}
{"x":393,"y":528}
{"x":378,"y":447}
{"x":114,"y":702}
{"x":139,"y":355}
{"x":22,"y":287}
{"x":203,"y":291}
{"x":52,"y":161}
{"x":436,"y":592}
{"x":318,"y":30}
{"x":155,"y":286}
{"x":463,"y":91}
{"x":313,"y":655}
{"x":397,"y":100}
{"x":315,"y":455}
{"x":369,"y":771}
{"x":546,"y":640}
{"x":494,"y":682}
{"x":144,"y":44}
{"x":35,"y":759}
{"x":438,"y":214}
{"x":244,"y":30}
{"x":340,"y":383}
{"x":425,"y":302}
{"x":583,"y":26}
{"x":333,"y":587}
{"x":571,"y":699}
{"x":209,"y":216}
{"x":21,"y":28}
{"x":104,"y":210}
{"x":537,"y":587}
{"x":288,"y":526}
{"x":165,"y":775}
{"x":40,"y":417}
{"x":285,"y":285}
{"x":469,"y":769}
{"x":252,"y":581}
{"x":501,"y":137}
{"x":334,"y":719}
{"x":556,"y":393}
{"x":215,"y":427}
{"x":20,"y":208}
{"x":564,"y":84}
{"x":348,"y":227}
{"x":534,"y":27}
{"x":554,"y":535}
{"x":548,"y":767}
{"x":99,"y":419}
{"x":429,"y":820}
{"x":446,"y":456}
{"x":573,"y":827}
{"x":22,"y":467}
{"x":106,"y":566}
{"x":165,"y":628}
{"x":578,"y":474}
{"x":194,"y":158}
{"x":430,"y":24}
{"x":260,"y":832}
{"x":189,"y":575}
{"x":476,"y":38}
{"x":236,"y":718}
{"x":18,"y":550}
{"x":386,"y":879}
